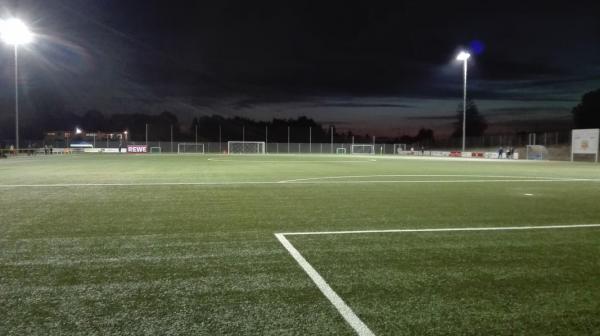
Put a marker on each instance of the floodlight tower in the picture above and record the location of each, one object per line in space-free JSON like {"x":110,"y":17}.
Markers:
{"x":14,"y":32}
{"x":464,"y":56}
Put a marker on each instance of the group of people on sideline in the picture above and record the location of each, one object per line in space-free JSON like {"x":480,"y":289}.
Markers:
{"x":48,"y":149}
{"x":509,"y":152}
{"x":11,"y":150}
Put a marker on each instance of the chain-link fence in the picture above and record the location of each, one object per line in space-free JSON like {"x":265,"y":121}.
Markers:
{"x":556,"y":141}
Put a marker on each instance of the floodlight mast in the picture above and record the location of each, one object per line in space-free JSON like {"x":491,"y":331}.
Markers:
{"x":464,"y":57}
{"x":14,"y":32}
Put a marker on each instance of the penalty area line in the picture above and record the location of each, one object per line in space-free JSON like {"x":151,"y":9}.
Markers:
{"x":342,"y":307}
{"x":483,"y":228}
{"x":347,"y":313}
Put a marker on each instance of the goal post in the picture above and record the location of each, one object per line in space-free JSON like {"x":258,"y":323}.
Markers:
{"x":340,"y":150}
{"x":155,"y":150}
{"x":190,"y":148}
{"x":246,"y":147}
{"x":399,"y":148}
{"x":536,"y":152}
{"x":362,"y":149}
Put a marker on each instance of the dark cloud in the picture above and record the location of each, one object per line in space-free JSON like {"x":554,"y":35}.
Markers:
{"x":434,"y":118}
{"x":361,"y":105}
{"x":508,"y":111}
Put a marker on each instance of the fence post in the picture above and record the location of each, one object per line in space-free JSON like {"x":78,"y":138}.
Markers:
{"x":331,"y":128}
{"x":310,"y":139}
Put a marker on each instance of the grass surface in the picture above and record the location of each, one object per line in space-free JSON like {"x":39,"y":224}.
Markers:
{"x":129,"y":255}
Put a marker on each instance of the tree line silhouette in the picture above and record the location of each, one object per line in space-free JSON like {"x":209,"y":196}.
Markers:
{"x":215,"y":127}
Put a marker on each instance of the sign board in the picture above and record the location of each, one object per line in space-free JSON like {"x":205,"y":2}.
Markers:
{"x":102,"y":150}
{"x":137,"y":148}
{"x":585,"y":141}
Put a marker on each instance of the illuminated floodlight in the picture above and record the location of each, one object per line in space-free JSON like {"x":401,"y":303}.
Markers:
{"x":14,"y":32}
{"x":78,"y":130}
{"x":463,"y":56}
{"x":125,"y":132}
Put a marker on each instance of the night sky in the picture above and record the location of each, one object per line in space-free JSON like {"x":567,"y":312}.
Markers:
{"x":386,"y":68}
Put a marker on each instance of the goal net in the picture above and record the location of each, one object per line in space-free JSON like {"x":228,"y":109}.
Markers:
{"x":155,"y":150}
{"x":363,"y":149}
{"x":190,"y":148}
{"x":399,"y":148}
{"x":246,"y":147}
{"x":536,"y":152}
{"x":340,"y":150}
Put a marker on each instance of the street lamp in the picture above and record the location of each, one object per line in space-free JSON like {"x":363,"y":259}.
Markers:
{"x":464,"y":56}
{"x":14,"y":32}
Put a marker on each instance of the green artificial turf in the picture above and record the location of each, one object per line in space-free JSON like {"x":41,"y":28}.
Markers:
{"x":177,"y":245}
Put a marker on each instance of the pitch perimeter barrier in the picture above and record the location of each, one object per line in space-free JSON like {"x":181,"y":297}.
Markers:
{"x":136,"y":147}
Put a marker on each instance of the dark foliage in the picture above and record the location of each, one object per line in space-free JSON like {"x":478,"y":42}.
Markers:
{"x":587,"y":113}
{"x":475,"y":124}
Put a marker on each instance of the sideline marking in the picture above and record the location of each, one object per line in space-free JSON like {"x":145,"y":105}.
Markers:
{"x":299,"y":181}
{"x":347,"y":313}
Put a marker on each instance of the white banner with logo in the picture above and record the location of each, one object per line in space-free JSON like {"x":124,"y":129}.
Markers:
{"x":585,"y":141}
{"x":137,"y":149}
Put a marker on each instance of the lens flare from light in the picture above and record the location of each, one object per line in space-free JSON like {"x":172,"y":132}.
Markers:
{"x":14,"y":32}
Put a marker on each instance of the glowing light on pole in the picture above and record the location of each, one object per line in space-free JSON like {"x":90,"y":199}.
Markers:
{"x":14,"y":32}
{"x":464,"y":56}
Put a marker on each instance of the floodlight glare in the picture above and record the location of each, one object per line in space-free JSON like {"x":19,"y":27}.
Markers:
{"x":463,"y":56}
{"x":15,"y":32}
{"x":78,"y":130}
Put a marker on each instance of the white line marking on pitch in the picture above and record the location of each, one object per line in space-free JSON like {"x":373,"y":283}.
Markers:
{"x":427,"y":181}
{"x":283,"y":182}
{"x":423,"y":175}
{"x":347,"y":313}
{"x":293,"y":161}
{"x":355,"y":322}
{"x":484,"y":228}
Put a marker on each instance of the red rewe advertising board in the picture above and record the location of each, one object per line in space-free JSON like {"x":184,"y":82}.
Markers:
{"x":137,"y":149}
